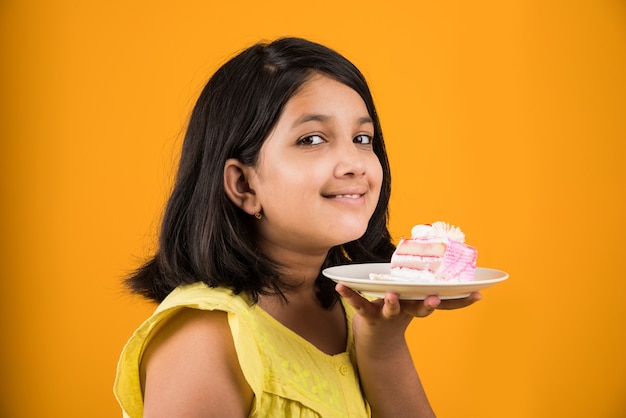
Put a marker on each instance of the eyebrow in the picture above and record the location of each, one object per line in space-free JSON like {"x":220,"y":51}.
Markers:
{"x":311,"y":117}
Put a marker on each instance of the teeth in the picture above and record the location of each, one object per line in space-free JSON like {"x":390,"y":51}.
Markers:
{"x":349,"y":196}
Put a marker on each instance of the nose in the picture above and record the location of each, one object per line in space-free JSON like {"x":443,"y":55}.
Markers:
{"x":351,"y":161}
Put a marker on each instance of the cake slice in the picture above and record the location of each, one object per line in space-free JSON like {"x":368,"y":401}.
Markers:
{"x":434,"y":253}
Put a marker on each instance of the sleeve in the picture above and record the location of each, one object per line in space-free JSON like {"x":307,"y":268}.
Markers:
{"x":127,"y":386}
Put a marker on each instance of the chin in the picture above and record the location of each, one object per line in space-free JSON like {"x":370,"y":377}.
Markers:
{"x":353,"y":234}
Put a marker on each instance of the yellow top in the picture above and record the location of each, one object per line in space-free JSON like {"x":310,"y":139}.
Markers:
{"x":289,"y":376}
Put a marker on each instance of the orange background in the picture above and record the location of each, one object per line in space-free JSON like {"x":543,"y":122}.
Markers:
{"x":504,"y":117}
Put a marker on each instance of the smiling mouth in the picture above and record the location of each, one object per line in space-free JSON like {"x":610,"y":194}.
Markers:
{"x":345,"y":196}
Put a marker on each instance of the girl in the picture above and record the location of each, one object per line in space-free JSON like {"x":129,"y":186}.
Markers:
{"x":283,"y":173}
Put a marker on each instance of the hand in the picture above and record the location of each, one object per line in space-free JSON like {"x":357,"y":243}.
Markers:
{"x":386,"y":319}
{"x":391,"y":306}
{"x":423,"y":308}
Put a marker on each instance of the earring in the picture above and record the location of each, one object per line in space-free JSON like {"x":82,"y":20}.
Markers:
{"x":258,"y":215}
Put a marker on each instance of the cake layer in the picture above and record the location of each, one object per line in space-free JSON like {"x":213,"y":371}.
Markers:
{"x":434,"y":259}
{"x":430,"y":263}
{"x":422,"y":247}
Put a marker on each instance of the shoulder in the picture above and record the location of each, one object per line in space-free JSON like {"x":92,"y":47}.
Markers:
{"x":200,"y":296}
{"x":191,"y":331}
{"x":190,"y":368}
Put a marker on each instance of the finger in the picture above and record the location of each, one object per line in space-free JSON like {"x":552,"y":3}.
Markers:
{"x":421,"y":308}
{"x":359,"y":303}
{"x":460,"y":303}
{"x":392,"y":307}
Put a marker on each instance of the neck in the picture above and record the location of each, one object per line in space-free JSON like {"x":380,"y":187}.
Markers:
{"x":298,"y":268}
{"x":301,"y":273}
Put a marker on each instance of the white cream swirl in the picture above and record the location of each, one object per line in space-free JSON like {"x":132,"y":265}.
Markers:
{"x":423,"y":232}
{"x":438,"y":230}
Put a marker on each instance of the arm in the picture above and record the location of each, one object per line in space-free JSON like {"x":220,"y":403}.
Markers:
{"x":190,"y":369}
{"x":389,"y":379}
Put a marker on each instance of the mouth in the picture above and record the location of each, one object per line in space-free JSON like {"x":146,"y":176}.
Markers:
{"x":345,"y":196}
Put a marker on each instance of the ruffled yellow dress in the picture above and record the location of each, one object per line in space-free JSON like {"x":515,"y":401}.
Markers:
{"x":289,"y":376}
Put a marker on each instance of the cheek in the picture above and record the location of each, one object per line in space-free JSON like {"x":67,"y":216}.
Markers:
{"x":376,"y":171}
{"x":282,"y":185}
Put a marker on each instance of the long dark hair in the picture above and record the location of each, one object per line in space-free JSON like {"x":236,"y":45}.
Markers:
{"x":204,"y":236}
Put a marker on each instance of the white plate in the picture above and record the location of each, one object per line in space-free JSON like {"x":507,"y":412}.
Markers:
{"x":356,"y":277}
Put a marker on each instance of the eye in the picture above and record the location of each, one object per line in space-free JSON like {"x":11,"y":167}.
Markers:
{"x":311,"y":140}
{"x":362,"y":139}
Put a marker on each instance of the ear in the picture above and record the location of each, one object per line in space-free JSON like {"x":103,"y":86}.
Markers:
{"x":237,"y":186}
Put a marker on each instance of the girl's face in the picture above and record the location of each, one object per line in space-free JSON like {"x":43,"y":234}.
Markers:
{"x":317,"y":178}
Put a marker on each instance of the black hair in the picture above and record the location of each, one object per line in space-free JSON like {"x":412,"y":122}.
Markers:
{"x":204,"y":236}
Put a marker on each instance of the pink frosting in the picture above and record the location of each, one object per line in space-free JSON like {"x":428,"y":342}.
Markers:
{"x":459,"y":262}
